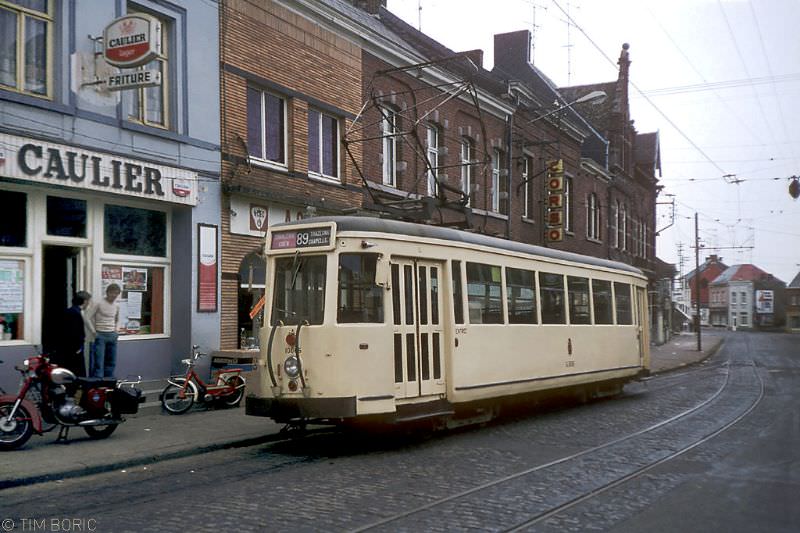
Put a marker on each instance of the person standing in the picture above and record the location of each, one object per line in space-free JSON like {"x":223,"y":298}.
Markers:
{"x":73,"y":335}
{"x":104,"y":317}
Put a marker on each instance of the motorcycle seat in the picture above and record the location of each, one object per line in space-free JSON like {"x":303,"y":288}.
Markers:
{"x":96,"y":382}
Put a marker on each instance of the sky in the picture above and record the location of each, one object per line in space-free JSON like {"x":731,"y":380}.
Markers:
{"x":718,"y":79}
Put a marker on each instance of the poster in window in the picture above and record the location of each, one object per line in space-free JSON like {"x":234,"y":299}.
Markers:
{"x":11,"y":287}
{"x":134,"y":279}
{"x":207,"y":268}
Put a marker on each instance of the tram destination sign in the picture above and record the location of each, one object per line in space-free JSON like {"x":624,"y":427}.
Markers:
{"x":301,"y":238}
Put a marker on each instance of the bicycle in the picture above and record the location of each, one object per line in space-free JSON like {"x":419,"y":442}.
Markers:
{"x":182,"y":392}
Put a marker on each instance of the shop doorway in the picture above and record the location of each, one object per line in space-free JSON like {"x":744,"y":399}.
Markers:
{"x":63,"y":275}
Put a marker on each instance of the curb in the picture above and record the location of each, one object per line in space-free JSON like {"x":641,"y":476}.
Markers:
{"x":711,"y":353}
{"x":139,"y":461}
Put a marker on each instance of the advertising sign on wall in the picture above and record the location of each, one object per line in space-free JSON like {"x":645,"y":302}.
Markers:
{"x":132,"y":40}
{"x":765,"y":302}
{"x":555,"y":200}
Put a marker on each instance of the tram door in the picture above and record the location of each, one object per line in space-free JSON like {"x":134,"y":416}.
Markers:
{"x":418,"y":332}
{"x":642,"y":313}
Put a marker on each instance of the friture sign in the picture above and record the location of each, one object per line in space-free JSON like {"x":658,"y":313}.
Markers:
{"x":555,"y":201}
{"x":68,"y":166}
{"x":132,"y":40}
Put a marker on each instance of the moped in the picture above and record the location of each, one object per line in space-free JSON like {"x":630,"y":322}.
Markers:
{"x":182,"y":392}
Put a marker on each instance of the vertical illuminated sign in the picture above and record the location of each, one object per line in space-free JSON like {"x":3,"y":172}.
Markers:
{"x":555,"y":201}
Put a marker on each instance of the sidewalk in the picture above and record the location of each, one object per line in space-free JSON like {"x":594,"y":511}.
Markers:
{"x":152,"y":436}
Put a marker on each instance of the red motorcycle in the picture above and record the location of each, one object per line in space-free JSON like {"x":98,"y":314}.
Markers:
{"x":52,"y":396}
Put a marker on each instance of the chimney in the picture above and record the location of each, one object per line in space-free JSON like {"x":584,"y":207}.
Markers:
{"x":372,"y":7}
{"x":512,"y":48}
{"x":476,"y":56}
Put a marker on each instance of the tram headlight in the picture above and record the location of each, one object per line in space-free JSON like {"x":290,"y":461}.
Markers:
{"x":292,"y":367}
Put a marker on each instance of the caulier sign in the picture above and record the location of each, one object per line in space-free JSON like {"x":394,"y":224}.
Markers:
{"x":69,"y":166}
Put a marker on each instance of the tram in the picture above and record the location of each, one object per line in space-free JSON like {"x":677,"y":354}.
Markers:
{"x":380,"y":321}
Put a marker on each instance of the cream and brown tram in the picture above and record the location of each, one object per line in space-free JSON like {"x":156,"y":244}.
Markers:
{"x":374,"y":320}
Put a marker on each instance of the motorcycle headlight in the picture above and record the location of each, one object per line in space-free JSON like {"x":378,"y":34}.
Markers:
{"x":26,"y":363}
{"x":292,"y":367}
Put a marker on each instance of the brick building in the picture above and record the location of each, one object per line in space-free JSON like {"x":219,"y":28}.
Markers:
{"x":709,"y":270}
{"x":290,"y":86}
{"x":793,"y":305}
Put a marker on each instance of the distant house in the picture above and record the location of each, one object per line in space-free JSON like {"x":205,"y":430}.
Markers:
{"x":709,"y":270}
{"x":744,"y":296}
{"x":793,"y":305}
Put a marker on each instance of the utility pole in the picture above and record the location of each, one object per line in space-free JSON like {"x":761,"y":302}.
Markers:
{"x":697,"y":282}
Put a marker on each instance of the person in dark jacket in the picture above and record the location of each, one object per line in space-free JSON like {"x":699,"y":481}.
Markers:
{"x":73,"y":335}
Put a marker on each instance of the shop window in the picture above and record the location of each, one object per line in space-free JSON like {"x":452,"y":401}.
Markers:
{"x":578,"y":290}
{"x":12,"y":299}
{"x":13,"y":228}
{"x":323,"y":144}
{"x":622,"y":297}
{"x":521,"y":296}
{"x":141,"y":303}
{"x":66,"y":217}
{"x":25,"y":42}
{"x":360,"y":299}
{"x":150,"y":105}
{"x":484,"y":294}
{"x":266,"y":126}
{"x":601,"y":296}
{"x":552,"y":295}
{"x":134,"y":231}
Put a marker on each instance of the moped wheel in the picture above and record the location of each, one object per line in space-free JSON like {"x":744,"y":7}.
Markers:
{"x":14,"y":432}
{"x":173,"y":401}
{"x":100,"y":432}
{"x":233,"y":399}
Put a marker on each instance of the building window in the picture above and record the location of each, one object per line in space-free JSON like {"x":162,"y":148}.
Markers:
{"x":467,"y":156}
{"x":389,"y":146}
{"x":26,"y":46}
{"x":266,"y":126}
{"x":66,"y":217}
{"x":432,"y":151}
{"x":527,"y":190}
{"x":496,"y":165}
{"x":567,"y":203}
{"x":13,"y":230}
{"x":592,"y":218}
{"x":733,"y":299}
{"x":141,"y":303}
{"x":150,"y":105}
{"x":615,"y":221}
{"x":623,"y":228}
{"x":744,"y":319}
{"x":323,"y":144}
{"x":134,"y":231}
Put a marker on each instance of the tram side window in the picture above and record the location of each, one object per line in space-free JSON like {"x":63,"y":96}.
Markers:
{"x":484,"y":294}
{"x":521,"y":296}
{"x":578,"y":300}
{"x":360,"y":299}
{"x":552,"y":295}
{"x":458,"y":302}
{"x":622,"y":295}
{"x":299,"y":289}
{"x":601,"y":294}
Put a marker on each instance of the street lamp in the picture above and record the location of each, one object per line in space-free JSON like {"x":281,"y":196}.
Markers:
{"x":594,"y":97}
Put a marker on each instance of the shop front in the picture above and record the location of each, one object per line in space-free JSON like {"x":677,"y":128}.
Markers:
{"x":78,"y":219}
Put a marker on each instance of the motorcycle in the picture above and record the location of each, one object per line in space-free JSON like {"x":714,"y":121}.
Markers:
{"x":51,"y":396}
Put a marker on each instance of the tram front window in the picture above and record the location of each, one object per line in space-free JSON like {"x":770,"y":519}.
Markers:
{"x":299,"y":289}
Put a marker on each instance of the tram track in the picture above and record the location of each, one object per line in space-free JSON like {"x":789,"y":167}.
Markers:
{"x":630,"y":456}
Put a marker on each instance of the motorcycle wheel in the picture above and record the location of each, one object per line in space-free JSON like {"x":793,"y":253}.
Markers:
{"x":172,"y":401}
{"x":233,"y":399}
{"x":100,"y":432}
{"x":14,"y":433}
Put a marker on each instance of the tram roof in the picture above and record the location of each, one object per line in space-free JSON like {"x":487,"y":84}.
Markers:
{"x":383,"y":225}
